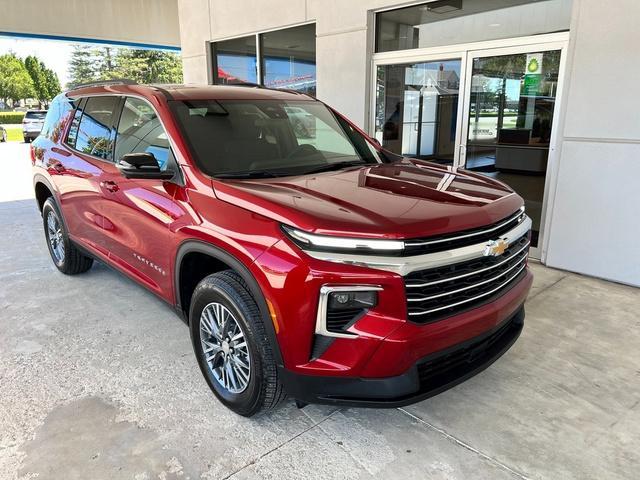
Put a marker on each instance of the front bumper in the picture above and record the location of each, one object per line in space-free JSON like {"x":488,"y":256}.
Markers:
{"x":429,"y":376}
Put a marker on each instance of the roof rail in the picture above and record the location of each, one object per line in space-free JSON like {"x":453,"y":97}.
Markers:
{"x":105,"y":83}
{"x":242,"y":84}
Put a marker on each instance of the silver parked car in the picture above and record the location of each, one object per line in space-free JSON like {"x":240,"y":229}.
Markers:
{"x":32,"y":124}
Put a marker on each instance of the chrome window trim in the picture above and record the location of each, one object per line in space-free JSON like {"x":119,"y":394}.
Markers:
{"x":426,"y":312}
{"x":520,"y":213}
{"x":321,"y":316}
{"x":405,"y":265}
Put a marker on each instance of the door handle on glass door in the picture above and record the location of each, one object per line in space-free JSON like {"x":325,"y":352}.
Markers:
{"x":110,"y":186}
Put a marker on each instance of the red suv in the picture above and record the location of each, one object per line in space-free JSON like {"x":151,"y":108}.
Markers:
{"x":306,"y":260}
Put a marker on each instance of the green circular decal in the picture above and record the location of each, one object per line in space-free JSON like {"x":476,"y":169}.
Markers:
{"x":533,"y":65}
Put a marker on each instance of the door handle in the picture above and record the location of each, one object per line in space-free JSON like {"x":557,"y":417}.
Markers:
{"x":60,"y":151}
{"x":110,"y":186}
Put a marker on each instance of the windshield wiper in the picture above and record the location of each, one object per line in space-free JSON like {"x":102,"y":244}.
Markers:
{"x":334,"y":166}
{"x":253,"y":174}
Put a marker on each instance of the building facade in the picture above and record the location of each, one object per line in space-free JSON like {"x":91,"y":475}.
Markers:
{"x":525,"y":91}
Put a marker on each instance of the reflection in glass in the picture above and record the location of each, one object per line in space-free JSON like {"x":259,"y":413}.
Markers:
{"x":450,"y":22}
{"x":510,"y":120}
{"x":94,"y":133}
{"x":235,"y":61}
{"x":416,"y":109}
{"x":140,"y":131}
{"x":289,"y":59}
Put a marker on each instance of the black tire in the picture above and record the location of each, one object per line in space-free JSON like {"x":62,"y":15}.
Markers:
{"x":263,"y":390}
{"x":72,"y":260}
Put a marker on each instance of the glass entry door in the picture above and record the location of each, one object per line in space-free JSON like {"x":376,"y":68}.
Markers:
{"x":417,"y":109}
{"x":508,"y":121}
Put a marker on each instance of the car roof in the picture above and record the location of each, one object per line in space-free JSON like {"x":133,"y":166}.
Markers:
{"x":193,"y":92}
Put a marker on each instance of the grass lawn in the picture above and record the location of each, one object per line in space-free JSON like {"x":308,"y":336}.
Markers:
{"x":14,"y":133}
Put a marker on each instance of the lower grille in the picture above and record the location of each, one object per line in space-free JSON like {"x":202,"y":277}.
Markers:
{"x":459,"y":361}
{"x":440,"y":292}
{"x":339,"y":320}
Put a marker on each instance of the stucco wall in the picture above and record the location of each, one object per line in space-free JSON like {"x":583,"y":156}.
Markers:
{"x":152,"y":22}
{"x":595,"y":219}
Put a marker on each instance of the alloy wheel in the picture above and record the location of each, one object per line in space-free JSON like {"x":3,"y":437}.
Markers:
{"x":54,"y":234}
{"x":225,"y":348}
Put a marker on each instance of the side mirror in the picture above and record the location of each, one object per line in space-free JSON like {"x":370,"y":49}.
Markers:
{"x":142,"y":165}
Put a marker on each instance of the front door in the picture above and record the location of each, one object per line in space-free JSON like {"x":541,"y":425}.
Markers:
{"x":141,"y":211}
{"x":417,"y":108}
{"x":509,"y":111}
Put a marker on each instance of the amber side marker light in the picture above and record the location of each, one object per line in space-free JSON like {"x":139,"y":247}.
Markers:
{"x":272,"y":314}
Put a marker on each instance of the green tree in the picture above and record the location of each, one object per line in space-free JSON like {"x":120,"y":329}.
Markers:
{"x":105,"y":63}
{"x":15,"y":81}
{"x":53,"y":83}
{"x":82,"y":66}
{"x":147,"y":66}
{"x":36,"y":71}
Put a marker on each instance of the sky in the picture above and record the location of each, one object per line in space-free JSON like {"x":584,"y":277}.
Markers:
{"x":54,"y":53}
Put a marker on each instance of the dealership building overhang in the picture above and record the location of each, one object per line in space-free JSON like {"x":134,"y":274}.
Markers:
{"x":129,"y":23}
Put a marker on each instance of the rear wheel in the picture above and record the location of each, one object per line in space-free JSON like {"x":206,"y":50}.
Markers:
{"x":65,"y":255}
{"x":232,"y":348}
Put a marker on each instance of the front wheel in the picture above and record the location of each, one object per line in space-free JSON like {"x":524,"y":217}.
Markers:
{"x":232,"y":348}
{"x":65,"y":255}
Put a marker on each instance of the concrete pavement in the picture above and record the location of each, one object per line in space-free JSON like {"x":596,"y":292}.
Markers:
{"x":98,"y":380}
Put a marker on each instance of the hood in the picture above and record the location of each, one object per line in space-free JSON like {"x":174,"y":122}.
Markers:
{"x":405,"y":199}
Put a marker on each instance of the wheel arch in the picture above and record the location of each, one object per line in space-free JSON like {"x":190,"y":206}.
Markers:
{"x":43,"y":190}
{"x":231,"y":262}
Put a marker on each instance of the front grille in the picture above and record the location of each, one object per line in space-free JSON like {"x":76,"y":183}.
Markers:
{"x":440,"y":292}
{"x":418,"y":246}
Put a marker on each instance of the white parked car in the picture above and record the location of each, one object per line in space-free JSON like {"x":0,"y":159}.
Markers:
{"x":32,"y":124}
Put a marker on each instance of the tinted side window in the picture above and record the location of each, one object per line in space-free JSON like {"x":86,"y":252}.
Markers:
{"x":95,"y":130}
{"x":61,"y":107}
{"x":75,"y":124}
{"x":140,"y":131}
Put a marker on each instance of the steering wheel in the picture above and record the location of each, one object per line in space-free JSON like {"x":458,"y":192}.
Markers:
{"x":304,"y":150}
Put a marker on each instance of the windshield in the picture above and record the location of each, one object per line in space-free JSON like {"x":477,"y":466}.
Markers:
{"x":35,"y":115}
{"x":269,"y":138}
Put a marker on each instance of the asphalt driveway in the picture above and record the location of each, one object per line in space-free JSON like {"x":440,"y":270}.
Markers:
{"x":98,"y":381}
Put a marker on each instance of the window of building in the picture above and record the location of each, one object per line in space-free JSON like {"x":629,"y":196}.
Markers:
{"x":449,"y":22}
{"x":236,"y":61}
{"x":278,"y":59}
{"x":140,"y":131}
{"x":289,"y":59}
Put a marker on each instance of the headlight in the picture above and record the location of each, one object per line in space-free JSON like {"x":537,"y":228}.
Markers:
{"x":312,"y":241}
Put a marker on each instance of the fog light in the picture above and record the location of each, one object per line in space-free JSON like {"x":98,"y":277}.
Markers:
{"x":344,"y":300}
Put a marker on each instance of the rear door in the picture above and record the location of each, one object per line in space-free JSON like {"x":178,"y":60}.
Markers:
{"x":138,"y":213}
{"x":83,"y":163}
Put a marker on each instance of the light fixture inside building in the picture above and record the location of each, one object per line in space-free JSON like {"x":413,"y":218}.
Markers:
{"x":444,"y":6}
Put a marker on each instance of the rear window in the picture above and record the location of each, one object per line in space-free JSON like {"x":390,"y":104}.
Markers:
{"x":36,"y":115}
{"x":61,"y":107}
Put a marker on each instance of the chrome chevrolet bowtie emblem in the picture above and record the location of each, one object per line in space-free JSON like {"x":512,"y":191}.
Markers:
{"x":495,"y":248}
